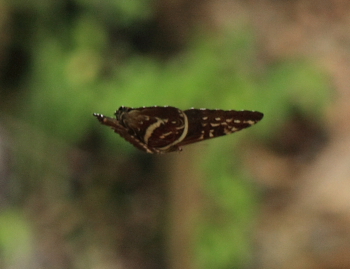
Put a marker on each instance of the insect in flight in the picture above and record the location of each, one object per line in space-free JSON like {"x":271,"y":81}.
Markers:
{"x":165,"y":129}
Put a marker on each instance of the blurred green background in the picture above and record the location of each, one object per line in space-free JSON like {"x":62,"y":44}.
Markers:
{"x":76,"y":195}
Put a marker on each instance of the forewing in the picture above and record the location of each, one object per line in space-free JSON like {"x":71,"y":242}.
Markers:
{"x":206,"y":123}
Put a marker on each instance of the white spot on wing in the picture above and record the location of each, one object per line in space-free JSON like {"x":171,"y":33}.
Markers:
{"x":204,"y":118}
{"x":151,"y":128}
{"x":227,"y":131}
{"x":250,"y":122}
{"x":218,"y":118}
{"x":214,"y":124}
{"x":211,"y":133}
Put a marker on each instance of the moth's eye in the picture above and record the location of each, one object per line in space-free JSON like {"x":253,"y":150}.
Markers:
{"x":119,"y":113}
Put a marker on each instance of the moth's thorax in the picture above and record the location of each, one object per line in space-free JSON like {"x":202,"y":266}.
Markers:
{"x":128,"y":117}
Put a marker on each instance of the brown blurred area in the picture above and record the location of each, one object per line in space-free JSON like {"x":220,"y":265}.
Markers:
{"x":302,"y":170}
{"x":305,"y":218}
{"x":305,"y":170}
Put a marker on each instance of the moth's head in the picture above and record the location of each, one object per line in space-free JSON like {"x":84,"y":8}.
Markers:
{"x":119,"y":113}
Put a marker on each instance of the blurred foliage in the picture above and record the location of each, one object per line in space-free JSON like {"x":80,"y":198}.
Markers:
{"x":76,"y":70}
{"x":15,"y":239}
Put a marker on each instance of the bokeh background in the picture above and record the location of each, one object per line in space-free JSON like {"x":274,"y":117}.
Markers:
{"x":75,"y":195}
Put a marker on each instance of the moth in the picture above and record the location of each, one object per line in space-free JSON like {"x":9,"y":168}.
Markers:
{"x":166,"y":129}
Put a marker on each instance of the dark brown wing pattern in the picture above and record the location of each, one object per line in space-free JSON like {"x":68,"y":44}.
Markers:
{"x":165,"y":129}
{"x":209,"y":123}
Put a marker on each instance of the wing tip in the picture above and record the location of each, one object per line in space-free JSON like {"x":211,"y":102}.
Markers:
{"x":259,"y":115}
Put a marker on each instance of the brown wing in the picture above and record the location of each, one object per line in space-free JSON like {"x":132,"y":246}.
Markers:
{"x":157,"y":127}
{"x":165,"y":129}
{"x":206,"y":123}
